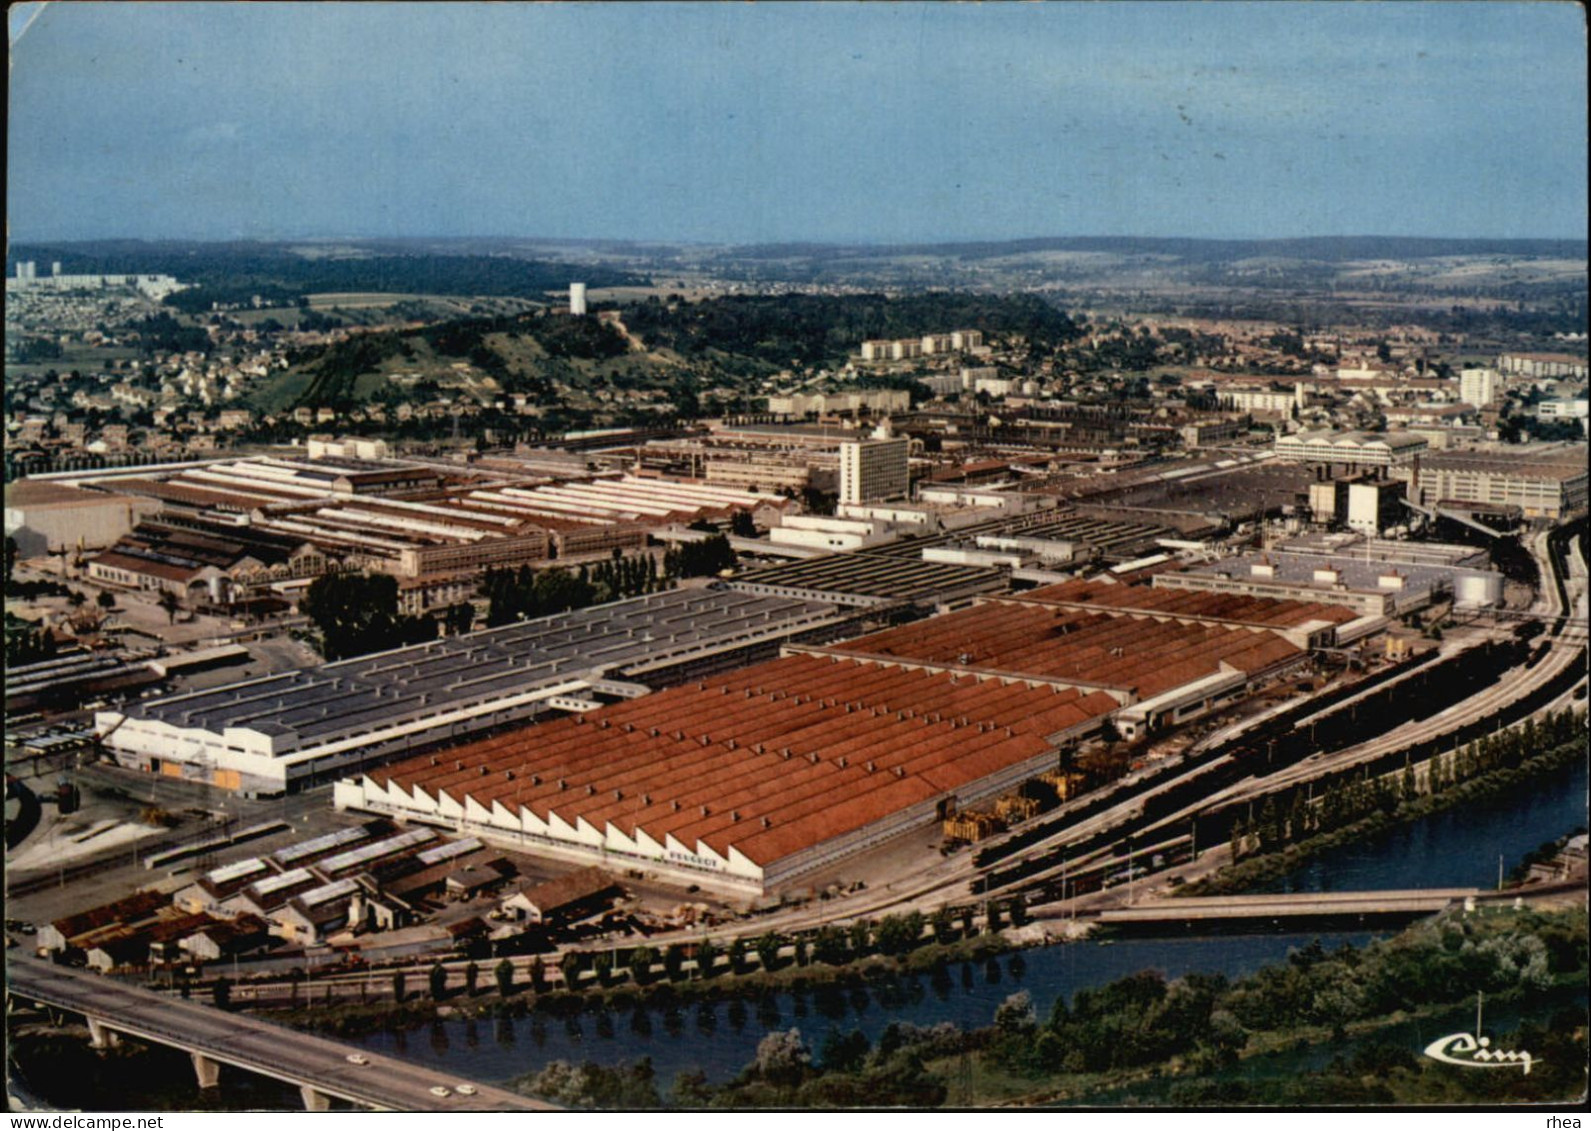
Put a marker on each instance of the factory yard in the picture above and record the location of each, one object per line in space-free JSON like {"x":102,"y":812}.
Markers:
{"x":831,"y":739}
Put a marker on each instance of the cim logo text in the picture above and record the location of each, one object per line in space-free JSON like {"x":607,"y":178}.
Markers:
{"x":1476,"y":1052}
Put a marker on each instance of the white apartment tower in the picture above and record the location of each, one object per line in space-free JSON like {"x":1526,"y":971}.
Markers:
{"x":577,"y":298}
{"x":873,"y":470}
{"x":1479,"y":387}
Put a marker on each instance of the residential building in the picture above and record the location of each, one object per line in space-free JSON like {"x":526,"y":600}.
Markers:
{"x":1479,"y":387}
{"x":1542,"y":365}
{"x":873,"y":470}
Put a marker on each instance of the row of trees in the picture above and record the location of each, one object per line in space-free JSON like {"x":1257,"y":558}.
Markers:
{"x":893,"y":936}
{"x":1336,"y":802}
{"x":699,"y":559}
{"x":525,"y":593}
{"x":27,"y":641}
{"x":357,"y":613}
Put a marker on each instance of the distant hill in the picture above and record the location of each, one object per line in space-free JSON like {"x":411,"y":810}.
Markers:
{"x":1329,"y":249}
{"x":280,"y":272}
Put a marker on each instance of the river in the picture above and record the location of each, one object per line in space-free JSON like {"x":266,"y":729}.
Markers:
{"x":720,"y":1038}
{"x":1457,"y":848}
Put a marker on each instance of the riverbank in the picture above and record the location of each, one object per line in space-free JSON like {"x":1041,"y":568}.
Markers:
{"x":1376,"y":1062}
{"x":1198,"y":1039}
{"x":1261,"y":869}
{"x":488,"y":1003}
{"x":709,"y":1043}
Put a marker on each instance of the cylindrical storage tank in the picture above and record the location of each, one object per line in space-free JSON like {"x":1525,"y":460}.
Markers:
{"x":1478,"y":590}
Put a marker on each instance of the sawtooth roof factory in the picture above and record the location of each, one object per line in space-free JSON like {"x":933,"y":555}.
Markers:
{"x":270,"y":734}
{"x":755,"y":780}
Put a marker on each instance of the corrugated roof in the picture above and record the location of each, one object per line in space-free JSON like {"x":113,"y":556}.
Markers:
{"x":708,"y":762}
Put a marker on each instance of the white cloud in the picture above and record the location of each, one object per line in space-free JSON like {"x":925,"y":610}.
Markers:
{"x":214,"y":133}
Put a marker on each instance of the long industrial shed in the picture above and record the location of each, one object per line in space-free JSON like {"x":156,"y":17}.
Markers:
{"x":750,"y":780}
{"x":753,"y":781}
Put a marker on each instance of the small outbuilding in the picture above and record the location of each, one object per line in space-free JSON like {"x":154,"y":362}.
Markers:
{"x":564,"y":900}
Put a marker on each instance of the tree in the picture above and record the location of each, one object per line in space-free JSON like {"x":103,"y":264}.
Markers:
{"x":829,"y":946}
{"x":782,"y":1058}
{"x":472,"y":973}
{"x":168,"y":601}
{"x":641,"y":961}
{"x":26,"y":641}
{"x":691,"y":1090}
{"x":742,"y":525}
{"x":438,"y":981}
{"x":674,"y":960}
{"x":398,"y":985}
{"x":107,"y":600}
{"x":505,"y":977}
{"x":13,"y":553}
{"x":76,"y":599}
{"x":843,"y":1052}
{"x":222,"y":992}
{"x":357,"y":613}
{"x":706,"y":956}
{"x":459,"y":618}
{"x":1015,"y":1014}
{"x":699,"y":559}
{"x":570,"y":966}
{"x":767,"y":946}
{"x":898,"y":934}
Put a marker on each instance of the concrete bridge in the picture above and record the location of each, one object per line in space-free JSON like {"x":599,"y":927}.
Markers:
{"x":1298,"y":905}
{"x":319,"y":1067}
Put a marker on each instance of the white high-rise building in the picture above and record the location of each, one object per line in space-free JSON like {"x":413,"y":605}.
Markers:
{"x":577,"y":298}
{"x":1479,"y":387}
{"x":874,"y":470}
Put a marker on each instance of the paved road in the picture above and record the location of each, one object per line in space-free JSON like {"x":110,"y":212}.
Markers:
{"x":258,"y":1046}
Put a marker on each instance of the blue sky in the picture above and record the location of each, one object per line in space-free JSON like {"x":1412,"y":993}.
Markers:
{"x":734,"y":122}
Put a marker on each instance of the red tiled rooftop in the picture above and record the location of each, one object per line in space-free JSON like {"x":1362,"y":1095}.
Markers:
{"x":1261,"y":611}
{"x":707,"y":761}
{"x":1140,"y":654}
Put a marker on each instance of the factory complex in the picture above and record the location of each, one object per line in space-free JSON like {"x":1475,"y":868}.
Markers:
{"x":755,"y":781}
{"x":269,"y":524}
{"x":277,"y":732}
